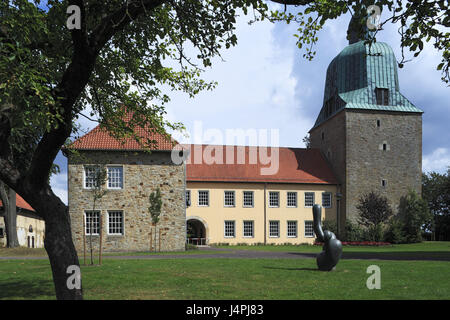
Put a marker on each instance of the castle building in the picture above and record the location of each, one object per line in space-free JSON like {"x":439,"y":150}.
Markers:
{"x":369,"y":132}
{"x":235,"y":202}
{"x":121,"y":217}
{"x":30,"y":227}
{"x":367,"y":137}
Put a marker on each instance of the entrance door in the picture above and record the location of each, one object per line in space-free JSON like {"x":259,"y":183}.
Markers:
{"x":196,"y":232}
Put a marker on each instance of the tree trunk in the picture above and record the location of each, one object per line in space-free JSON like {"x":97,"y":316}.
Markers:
{"x":60,"y":249}
{"x":8,"y":197}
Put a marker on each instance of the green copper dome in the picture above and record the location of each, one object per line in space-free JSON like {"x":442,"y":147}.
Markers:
{"x":363,"y":76}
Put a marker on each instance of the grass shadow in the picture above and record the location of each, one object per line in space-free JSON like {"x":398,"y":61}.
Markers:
{"x":401,"y":255}
{"x":24,"y":289}
{"x":396,"y":256}
{"x":292,"y":269}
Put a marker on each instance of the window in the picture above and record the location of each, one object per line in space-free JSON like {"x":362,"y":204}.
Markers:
{"x":274,"y":229}
{"x":248,"y":229}
{"x":91,"y":176}
{"x":378,"y":123}
{"x":309,"y":229}
{"x":229,"y":199}
{"x":292,"y":199}
{"x":188,"y":198}
{"x":248,"y":199}
{"x":383,"y":183}
{"x":274,"y":199}
{"x":309,"y":199}
{"x":323,"y":135}
{"x":92,"y":222}
{"x":326,"y":199}
{"x":115,"y":177}
{"x":292,"y":229}
{"x":2,"y":233}
{"x":229,"y":229}
{"x":384,"y":146}
{"x":115,"y":222}
{"x":382,"y":96}
{"x":203,"y":198}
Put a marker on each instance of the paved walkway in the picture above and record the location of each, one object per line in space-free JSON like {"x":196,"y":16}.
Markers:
{"x":248,"y":254}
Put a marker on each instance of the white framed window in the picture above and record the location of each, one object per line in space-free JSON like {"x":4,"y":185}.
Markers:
{"x":309,"y":199}
{"x":248,"y":229}
{"x":274,"y":199}
{"x":229,"y":199}
{"x":2,"y":233}
{"x":92,"y":222}
{"x":248,"y":199}
{"x":292,"y":229}
{"x":115,"y":177}
{"x":292,"y":199}
{"x":91,"y":176}
{"x":274,"y":229}
{"x":188,"y":198}
{"x":203,"y":198}
{"x":115,"y":222}
{"x":326,"y":199}
{"x":309,"y":229}
{"x":229,"y":229}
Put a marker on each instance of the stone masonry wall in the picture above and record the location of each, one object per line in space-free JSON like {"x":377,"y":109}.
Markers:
{"x":333,"y":146}
{"x":353,"y":144}
{"x":400,"y":165}
{"x":142,"y":174}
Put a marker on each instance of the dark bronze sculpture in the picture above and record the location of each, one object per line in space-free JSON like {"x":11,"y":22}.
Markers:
{"x":332,"y":247}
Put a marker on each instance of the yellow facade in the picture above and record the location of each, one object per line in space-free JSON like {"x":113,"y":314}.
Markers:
{"x":30,"y":231}
{"x":214,"y":215}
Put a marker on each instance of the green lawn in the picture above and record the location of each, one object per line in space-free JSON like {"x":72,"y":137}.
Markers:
{"x":427,"y":246}
{"x":232,"y":279}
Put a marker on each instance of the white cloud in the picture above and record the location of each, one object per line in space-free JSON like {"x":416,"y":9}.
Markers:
{"x":59,"y":185}
{"x":256,"y":88}
{"x":438,"y":161}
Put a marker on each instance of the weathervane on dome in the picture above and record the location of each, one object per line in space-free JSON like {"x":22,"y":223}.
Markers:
{"x":364,"y":26}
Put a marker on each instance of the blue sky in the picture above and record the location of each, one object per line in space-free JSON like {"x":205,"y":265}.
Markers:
{"x":265,"y":83}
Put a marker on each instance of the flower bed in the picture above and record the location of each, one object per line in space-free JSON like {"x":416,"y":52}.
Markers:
{"x":359,"y":243}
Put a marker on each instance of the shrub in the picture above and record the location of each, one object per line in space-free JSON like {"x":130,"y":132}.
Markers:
{"x":373,"y":233}
{"x":414,"y":214}
{"x":394,"y":231}
{"x":330,"y":225}
{"x":374,"y":210}
{"x":353,"y":232}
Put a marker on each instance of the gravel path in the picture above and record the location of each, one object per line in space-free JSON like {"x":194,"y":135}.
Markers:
{"x":248,"y":254}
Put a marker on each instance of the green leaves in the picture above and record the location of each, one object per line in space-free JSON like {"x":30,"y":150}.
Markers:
{"x":418,"y":21}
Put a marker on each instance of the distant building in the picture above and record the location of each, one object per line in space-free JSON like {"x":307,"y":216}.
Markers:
{"x":235,"y":203}
{"x":30,"y":227}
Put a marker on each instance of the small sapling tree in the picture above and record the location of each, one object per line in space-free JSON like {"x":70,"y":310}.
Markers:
{"x":155,"y":208}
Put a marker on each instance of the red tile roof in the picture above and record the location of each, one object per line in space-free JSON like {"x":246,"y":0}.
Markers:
{"x":20,"y":203}
{"x":100,"y":139}
{"x":295,"y":165}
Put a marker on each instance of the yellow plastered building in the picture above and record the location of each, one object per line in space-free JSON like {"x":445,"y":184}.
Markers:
{"x":234,"y":203}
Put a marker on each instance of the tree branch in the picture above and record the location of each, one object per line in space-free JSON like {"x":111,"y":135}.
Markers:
{"x":117,"y":21}
{"x":293,"y":2}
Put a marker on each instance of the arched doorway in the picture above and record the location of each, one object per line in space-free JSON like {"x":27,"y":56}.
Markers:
{"x":196,"y":231}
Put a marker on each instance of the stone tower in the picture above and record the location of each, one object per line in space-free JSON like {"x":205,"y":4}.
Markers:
{"x":369,"y":132}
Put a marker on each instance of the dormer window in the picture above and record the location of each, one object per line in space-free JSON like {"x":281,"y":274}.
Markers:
{"x":382,"y":96}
